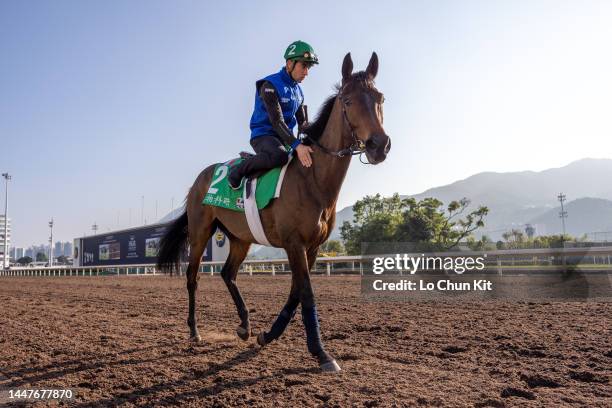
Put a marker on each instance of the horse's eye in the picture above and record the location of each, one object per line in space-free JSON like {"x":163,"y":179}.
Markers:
{"x":347,"y":102}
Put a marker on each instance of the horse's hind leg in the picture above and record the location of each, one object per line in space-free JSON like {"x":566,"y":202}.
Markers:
{"x":238,"y":251}
{"x":198,"y":241}
{"x":283,"y":319}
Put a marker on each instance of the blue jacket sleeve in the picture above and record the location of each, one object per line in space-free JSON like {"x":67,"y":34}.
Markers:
{"x":268,"y":95}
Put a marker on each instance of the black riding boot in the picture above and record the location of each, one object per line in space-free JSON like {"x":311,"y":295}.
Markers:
{"x":236,"y":176}
{"x":270,"y":154}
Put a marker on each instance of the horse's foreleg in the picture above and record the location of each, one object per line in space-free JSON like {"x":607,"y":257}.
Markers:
{"x":299,"y":267}
{"x":286,"y":315}
{"x":238,"y":251}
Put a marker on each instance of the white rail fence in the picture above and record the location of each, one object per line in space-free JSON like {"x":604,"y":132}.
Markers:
{"x":596,"y":259}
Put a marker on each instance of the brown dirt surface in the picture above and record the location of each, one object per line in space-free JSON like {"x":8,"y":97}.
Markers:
{"x":122,"y":341}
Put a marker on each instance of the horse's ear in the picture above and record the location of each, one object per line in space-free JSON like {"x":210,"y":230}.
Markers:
{"x":372,"y":68}
{"x":347,"y":67}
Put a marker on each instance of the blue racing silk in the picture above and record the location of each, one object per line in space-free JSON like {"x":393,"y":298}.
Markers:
{"x":290,"y":97}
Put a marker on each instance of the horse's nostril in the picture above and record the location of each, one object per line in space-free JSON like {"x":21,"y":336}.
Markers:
{"x":388,"y":145}
{"x":371,"y":144}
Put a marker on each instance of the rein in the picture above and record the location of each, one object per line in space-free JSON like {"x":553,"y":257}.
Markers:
{"x":356,"y":148}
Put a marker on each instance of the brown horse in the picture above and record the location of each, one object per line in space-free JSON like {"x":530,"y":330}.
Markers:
{"x":300,"y":220}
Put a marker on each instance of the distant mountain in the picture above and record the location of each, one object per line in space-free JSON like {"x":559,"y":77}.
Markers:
{"x":583,"y":215}
{"x":517,"y":198}
{"x":263,"y":252}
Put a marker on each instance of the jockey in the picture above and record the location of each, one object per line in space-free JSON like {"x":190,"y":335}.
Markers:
{"x":279,"y":105}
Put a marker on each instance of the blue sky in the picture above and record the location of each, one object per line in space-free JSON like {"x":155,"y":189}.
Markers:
{"x":103,"y":102}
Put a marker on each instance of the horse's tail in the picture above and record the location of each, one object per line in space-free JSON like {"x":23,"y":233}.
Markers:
{"x":172,"y":245}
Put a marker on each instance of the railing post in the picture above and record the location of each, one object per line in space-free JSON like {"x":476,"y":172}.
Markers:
{"x":328,"y":269}
{"x":273,"y":270}
{"x":499,"y":266}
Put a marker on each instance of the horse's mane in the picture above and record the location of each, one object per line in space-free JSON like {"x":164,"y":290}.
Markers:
{"x":316,"y":128}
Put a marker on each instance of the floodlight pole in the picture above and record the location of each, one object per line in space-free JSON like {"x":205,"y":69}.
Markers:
{"x":5,"y":259}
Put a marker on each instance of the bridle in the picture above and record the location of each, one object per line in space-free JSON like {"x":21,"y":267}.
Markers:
{"x":356,"y":147}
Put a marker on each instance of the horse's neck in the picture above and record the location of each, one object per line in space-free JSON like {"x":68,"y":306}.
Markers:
{"x":329,"y":171}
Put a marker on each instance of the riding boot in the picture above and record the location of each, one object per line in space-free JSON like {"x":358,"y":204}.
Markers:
{"x":235,"y":177}
{"x":270,"y":154}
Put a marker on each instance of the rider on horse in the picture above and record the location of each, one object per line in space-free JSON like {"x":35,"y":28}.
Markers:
{"x":279,"y":105}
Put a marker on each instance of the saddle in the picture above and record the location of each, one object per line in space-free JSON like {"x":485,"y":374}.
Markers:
{"x":265,"y":184}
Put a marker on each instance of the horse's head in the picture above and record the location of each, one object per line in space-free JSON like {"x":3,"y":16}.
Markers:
{"x":362,"y":106}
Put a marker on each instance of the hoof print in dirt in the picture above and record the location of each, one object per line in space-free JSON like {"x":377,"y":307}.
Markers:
{"x":531,"y":353}
{"x":291,"y":382}
{"x":490,"y":403}
{"x":588,"y":377}
{"x":454,"y":349}
{"x":348,"y":357}
{"x":517,"y":392}
{"x":534,"y":381}
{"x":338,"y":336}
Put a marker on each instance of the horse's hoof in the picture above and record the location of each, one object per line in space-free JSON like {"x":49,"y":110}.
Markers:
{"x":243,"y":333}
{"x":330,"y":367}
{"x":195,"y":339}
{"x":261,"y":340}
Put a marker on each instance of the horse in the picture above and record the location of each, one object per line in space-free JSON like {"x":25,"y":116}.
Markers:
{"x":350,"y":122}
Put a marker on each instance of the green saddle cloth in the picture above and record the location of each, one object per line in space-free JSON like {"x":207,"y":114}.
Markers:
{"x":220,"y":194}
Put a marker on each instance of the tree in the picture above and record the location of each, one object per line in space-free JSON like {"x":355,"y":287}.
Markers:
{"x":375,"y":219}
{"x":515,"y":239}
{"x":483,"y":244}
{"x":332,"y":247}
{"x":24,"y":260}
{"x":425,"y":223}
{"x":41,"y":257}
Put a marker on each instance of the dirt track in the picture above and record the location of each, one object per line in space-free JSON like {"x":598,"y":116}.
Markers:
{"x":122,"y":341}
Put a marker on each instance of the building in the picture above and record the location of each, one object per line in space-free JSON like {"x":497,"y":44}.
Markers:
{"x":3,"y":238}
{"x":36,"y":249}
{"x":68,"y":249}
{"x":59,"y":249}
{"x":135,"y":246}
{"x":16,"y":253}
